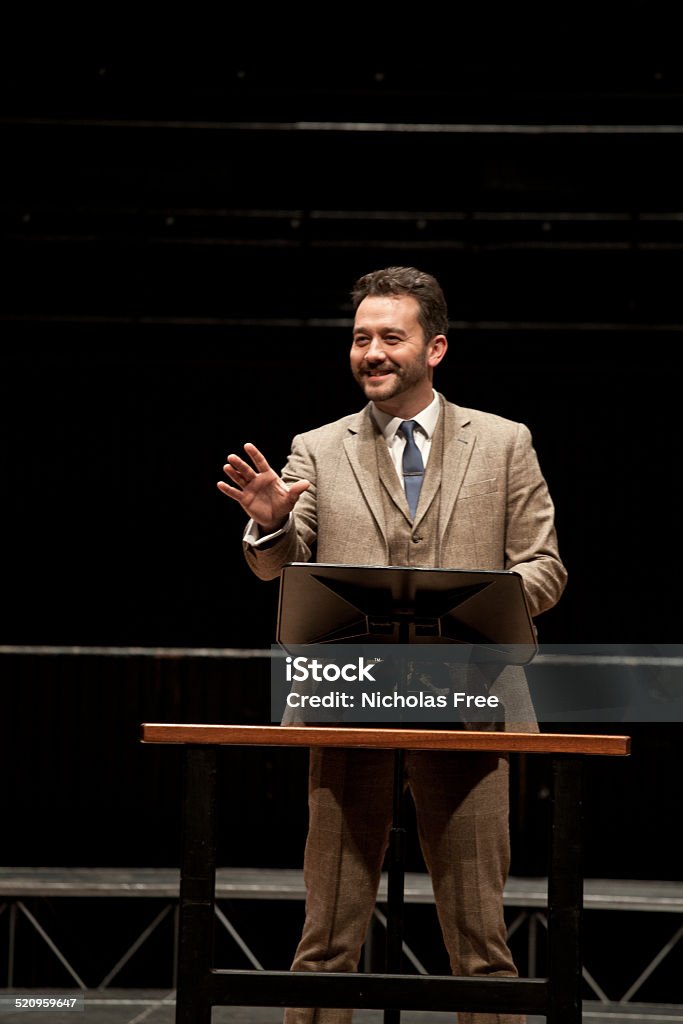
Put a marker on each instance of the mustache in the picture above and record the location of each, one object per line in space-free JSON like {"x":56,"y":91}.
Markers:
{"x":369,"y":368}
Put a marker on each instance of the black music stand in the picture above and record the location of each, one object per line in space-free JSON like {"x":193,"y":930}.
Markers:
{"x":337,"y":604}
{"x":333,"y":604}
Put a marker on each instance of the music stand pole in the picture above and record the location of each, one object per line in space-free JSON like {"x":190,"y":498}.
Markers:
{"x":396,"y":856}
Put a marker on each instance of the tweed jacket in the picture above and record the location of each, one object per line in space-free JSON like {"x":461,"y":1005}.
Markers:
{"x":495,"y":511}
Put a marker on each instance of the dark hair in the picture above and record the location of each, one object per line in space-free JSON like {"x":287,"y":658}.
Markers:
{"x":433,"y":315}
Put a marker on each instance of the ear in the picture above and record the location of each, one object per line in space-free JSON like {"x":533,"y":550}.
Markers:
{"x":436,"y":349}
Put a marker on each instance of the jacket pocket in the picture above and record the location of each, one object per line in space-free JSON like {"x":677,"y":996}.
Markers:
{"x":474,"y":487}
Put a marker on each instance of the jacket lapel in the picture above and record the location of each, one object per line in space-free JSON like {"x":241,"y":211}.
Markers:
{"x":458,"y":444}
{"x":432,"y":478}
{"x":389,"y":478}
{"x":361,"y":451}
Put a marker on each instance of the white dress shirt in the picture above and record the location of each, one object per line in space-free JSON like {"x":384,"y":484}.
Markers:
{"x":396,"y":442}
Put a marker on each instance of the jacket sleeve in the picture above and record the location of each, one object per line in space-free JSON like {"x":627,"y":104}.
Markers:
{"x":530,"y":539}
{"x":297,"y":544}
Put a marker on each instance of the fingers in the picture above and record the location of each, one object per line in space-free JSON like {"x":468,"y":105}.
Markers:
{"x":238,"y":469}
{"x":248,"y":482}
{"x":257,"y":457}
{"x":232,"y":492}
{"x":241,"y":473}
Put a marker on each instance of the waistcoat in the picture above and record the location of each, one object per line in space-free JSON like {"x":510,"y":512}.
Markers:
{"x":412,"y":543}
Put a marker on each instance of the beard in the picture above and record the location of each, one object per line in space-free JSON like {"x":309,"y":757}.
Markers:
{"x":395,"y":380}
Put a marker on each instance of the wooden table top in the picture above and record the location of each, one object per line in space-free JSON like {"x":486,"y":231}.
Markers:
{"x":390,"y":739}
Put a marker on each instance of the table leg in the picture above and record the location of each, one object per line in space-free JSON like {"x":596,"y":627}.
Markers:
{"x":395,"y":882}
{"x":565,"y":893}
{"x":197,"y":886}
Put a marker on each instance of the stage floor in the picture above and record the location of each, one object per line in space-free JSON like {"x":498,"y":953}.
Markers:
{"x":158,"y":1007}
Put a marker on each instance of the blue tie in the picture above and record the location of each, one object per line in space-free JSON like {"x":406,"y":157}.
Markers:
{"x":413,"y":466}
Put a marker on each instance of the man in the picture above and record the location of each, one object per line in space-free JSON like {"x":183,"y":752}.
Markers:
{"x":411,"y":480}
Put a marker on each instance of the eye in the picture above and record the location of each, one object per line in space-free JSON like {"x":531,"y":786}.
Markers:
{"x":360,"y":341}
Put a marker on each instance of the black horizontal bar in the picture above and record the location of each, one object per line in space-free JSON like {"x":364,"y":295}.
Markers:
{"x":356,"y":127}
{"x":336,"y":323}
{"x":376,"y":991}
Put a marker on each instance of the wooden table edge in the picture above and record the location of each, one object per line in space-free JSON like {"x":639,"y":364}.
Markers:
{"x":390,"y":739}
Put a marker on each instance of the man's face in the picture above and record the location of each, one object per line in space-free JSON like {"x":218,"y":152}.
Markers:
{"x":389,"y":357}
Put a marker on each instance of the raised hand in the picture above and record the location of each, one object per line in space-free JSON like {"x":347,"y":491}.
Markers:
{"x":263,"y":495}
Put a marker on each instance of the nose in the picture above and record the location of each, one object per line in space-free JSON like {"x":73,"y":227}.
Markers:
{"x":374,"y":353}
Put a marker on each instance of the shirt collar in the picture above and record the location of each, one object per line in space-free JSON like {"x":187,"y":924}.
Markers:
{"x":427,"y":419}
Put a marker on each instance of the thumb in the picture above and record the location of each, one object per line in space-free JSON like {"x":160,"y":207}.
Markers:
{"x":298,"y":488}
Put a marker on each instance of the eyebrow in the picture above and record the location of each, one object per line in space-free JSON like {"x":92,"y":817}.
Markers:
{"x":383,"y":330}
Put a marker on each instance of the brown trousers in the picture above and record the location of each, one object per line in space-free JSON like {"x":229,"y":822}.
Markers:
{"x":461,"y":803}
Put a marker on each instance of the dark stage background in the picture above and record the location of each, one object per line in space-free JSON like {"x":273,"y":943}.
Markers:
{"x":179,"y":241}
